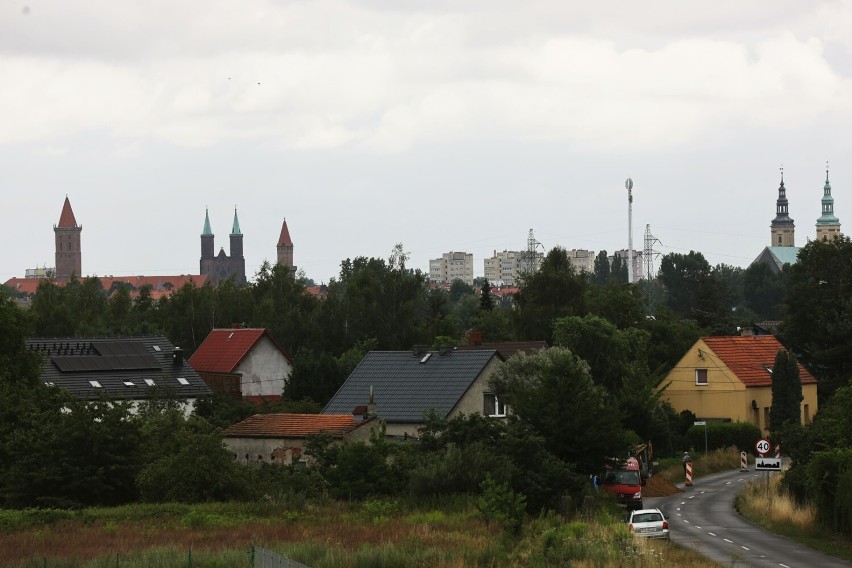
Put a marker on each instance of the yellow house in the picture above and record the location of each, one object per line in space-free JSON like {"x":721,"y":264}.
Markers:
{"x":730,"y":378}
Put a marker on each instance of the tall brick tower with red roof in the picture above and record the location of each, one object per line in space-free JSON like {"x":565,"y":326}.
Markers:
{"x":285,"y":248}
{"x":67,"y":234}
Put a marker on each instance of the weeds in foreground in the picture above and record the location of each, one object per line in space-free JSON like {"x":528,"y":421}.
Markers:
{"x":334,"y":535}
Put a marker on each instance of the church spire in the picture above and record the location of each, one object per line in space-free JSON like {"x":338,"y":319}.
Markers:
{"x":206,"y":230}
{"x":235,"y":230}
{"x":827,"y":226}
{"x":782,"y":227}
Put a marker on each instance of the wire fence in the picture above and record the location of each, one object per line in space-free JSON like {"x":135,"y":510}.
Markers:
{"x":262,"y":558}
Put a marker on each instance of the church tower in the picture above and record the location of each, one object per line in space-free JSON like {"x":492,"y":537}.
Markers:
{"x":237,"y":262}
{"x":67,"y":236}
{"x":285,"y":248}
{"x":827,"y":226}
{"x":220,"y":266}
{"x":207,"y":244}
{"x":782,"y":227}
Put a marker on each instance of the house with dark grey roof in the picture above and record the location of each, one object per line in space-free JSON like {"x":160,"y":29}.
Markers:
{"x":280,"y":438}
{"x":400,"y":386}
{"x":132,"y":369}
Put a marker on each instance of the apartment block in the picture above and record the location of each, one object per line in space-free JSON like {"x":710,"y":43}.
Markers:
{"x":503,"y":267}
{"x":582,"y":260}
{"x":451,"y":266}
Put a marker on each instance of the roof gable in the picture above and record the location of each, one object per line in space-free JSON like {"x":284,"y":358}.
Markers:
{"x":405,"y":385}
{"x":748,"y":357}
{"x":291,"y":425}
{"x":224,"y":349}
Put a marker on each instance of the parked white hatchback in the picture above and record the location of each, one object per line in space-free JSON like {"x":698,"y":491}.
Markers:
{"x":648,"y":523}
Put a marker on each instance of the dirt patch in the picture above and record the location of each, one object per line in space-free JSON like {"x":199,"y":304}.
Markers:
{"x":659,"y":486}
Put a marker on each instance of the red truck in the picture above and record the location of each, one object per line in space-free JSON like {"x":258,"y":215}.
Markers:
{"x":625,"y":481}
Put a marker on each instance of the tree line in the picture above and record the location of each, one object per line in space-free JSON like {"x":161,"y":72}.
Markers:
{"x":588,"y":396}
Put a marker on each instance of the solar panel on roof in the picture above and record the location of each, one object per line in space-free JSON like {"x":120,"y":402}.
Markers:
{"x":82,"y":363}
{"x":106,"y":348}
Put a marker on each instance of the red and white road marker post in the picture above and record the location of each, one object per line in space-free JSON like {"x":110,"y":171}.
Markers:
{"x":688,"y":473}
{"x":743,"y":461}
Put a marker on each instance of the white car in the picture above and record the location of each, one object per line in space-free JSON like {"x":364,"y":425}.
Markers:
{"x":648,"y":523}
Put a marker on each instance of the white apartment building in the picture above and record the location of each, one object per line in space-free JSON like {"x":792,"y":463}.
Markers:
{"x":582,"y":260}
{"x":451,"y":266}
{"x":638,"y":263}
{"x":503,"y":267}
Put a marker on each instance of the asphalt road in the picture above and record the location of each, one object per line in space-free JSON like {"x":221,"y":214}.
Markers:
{"x":703,"y":518}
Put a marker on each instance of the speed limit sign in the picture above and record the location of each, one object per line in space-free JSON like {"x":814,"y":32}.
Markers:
{"x":762,"y":446}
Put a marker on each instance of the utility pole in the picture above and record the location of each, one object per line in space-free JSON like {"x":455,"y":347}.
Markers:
{"x":648,"y":254}
{"x":629,"y":185}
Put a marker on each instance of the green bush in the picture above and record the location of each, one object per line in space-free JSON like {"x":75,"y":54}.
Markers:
{"x":499,"y":503}
{"x":741,"y":435}
{"x":829,"y":486}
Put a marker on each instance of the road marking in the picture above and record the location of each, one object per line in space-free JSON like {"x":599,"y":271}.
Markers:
{"x":692,"y":496}
{"x":726,"y":540}
{"x":744,"y":547}
{"x":701,"y":492}
{"x":712,"y":534}
{"x":696,"y":526}
{"x":728,"y":482}
{"x":683,"y":502}
{"x":685,"y":521}
{"x":784,"y":565}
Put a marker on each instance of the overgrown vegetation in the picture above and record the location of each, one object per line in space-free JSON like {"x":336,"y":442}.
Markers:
{"x":374,"y":533}
{"x":768,"y":503}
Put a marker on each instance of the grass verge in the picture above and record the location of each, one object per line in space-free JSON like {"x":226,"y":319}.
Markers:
{"x":768,"y":505}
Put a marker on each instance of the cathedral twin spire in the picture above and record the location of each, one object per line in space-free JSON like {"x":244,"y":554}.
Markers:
{"x":783,"y":227}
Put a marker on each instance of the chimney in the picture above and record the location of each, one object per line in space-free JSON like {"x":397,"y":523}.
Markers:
{"x":747,"y":331}
{"x":177,"y":357}
{"x":445,"y":349}
{"x":419,"y":350}
{"x":371,"y":406}
{"x":474,"y":338}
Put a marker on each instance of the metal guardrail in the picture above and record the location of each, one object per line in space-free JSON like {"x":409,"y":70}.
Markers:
{"x":262,"y":558}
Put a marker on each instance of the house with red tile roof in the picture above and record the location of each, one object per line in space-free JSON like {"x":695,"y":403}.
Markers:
{"x":245,"y":363}
{"x":730,"y":378}
{"x":279,"y":438}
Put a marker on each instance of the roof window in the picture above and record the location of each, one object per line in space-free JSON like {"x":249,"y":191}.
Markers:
{"x":150,"y":382}
{"x":183,"y":381}
{"x":96,"y":384}
{"x":129,"y":383}
{"x":157,"y":348}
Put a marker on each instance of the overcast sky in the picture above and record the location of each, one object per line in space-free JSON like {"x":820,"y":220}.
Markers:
{"x":443,"y":125}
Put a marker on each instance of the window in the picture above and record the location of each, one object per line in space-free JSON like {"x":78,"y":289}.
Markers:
{"x":95,"y":384}
{"x":150,"y":382}
{"x":52,"y":384}
{"x":183,"y":381}
{"x":492,"y":405}
{"x":701,"y":376}
{"x":156,"y":348}
{"x":129,"y":383}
